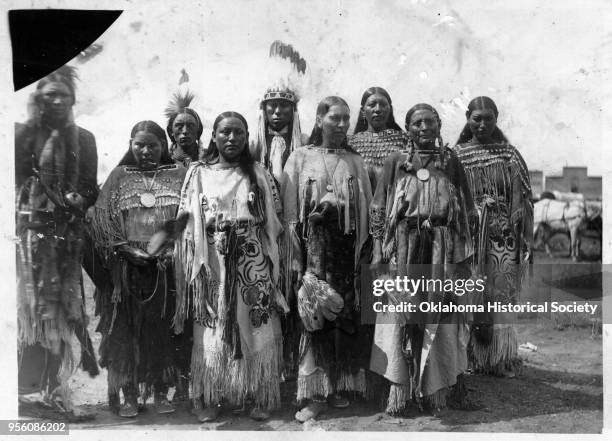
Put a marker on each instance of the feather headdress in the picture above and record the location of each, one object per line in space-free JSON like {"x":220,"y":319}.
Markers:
{"x":286,"y":70}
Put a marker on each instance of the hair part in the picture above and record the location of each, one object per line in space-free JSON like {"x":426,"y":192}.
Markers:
{"x":362,"y":123}
{"x":153,"y":128}
{"x":245,"y":162}
{"x":481,"y":103}
{"x":425,"y":106}
{"x":316,"y":137}
{"x":212,"y":153}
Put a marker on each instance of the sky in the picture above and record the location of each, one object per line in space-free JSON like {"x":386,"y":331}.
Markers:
{"x":544,"y":63}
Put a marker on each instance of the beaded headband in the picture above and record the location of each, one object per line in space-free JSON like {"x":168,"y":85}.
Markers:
{"x":286,"y":95}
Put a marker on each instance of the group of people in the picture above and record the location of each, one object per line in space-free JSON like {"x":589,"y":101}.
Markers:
{"x":227,"y":270}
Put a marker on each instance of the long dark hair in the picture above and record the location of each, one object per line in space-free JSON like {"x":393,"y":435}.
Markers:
{"x":150,"y":127}
{"x":362,"y":123}
{"x":316,"y":137}
{"x":245,"y":162}
{"x":481,"y":103}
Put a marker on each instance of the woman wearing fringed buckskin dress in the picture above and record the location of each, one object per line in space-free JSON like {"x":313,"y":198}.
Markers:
{"x":227,"y":272}
{"x":420,"y":222}
{"x":136,"y":308}
{"x":499,"y":181}
{"x":326,"y":193}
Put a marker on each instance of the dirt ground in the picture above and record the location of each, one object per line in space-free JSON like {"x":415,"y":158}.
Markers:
{"x":559,"y":391}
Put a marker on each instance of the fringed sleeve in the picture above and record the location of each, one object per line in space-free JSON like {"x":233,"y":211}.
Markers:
{"x":464,"y":211}
{"x":291,"y":211}
{"x":382,"y":220}
{"x":192,"y":271}
{"x":521,"y":211}
{"x":107,"y":227}
{"x":108,"y":230}
{"x":363,"y":193}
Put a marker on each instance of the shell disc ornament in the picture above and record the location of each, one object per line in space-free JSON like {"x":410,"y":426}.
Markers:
{"x":147,"y":200}
{"x":423,"y":174}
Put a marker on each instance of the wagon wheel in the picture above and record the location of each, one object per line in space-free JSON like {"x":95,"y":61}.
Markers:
{"x":590,"y":245}
{"x":559,"y":244}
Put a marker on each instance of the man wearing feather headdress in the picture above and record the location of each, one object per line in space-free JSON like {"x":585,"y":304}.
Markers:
{"x":279,"y":133}
{"x":184,"y":128}
{"x":55,"y":172}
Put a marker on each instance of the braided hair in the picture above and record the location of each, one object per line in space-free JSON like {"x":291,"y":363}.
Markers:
{"x":424,"y":106}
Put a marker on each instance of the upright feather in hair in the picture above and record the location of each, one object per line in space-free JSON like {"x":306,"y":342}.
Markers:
{"x":178,"y":103}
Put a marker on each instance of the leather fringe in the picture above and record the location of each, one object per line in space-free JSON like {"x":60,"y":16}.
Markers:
{"x":498,"y":354}
{"x":217,"y":375}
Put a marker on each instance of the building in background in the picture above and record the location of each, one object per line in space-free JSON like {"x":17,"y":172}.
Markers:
{"x":575,"y":179}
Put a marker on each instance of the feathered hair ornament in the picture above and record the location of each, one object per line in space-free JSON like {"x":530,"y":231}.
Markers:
{"x":179,"y":103}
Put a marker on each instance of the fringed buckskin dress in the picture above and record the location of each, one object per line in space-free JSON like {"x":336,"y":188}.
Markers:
{"x":499,"y":181}
{"x":136,"y":310}
{"x":422,"y":222}
{"x":227,"y":266}
{"x":333,"y":184}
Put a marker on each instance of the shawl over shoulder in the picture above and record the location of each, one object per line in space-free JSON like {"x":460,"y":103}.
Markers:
{"x":498,"y":171}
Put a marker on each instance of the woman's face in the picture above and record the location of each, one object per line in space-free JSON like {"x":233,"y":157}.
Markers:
{"x":334,"y":125}
{"x":230,"y":138}
{"x":482,"y":123}
{"x":147,"y":150}
{"x":278,"y":113}
{"x":423,"y":128}
{"x":185,"y":129}
{"x":376,"y":110}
